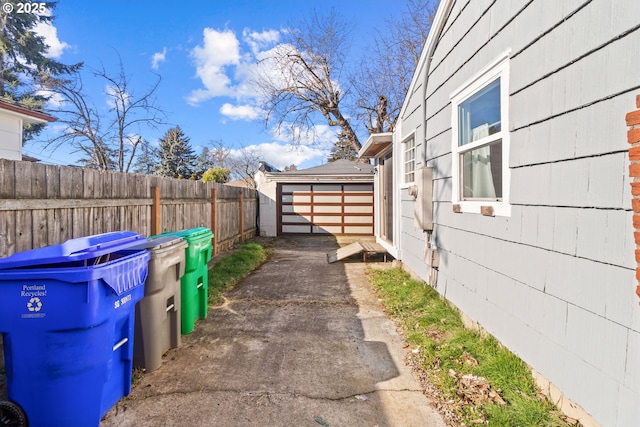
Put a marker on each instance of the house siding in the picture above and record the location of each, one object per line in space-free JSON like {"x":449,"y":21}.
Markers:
{"x":556,"y":277}
{"x":10,"y":137}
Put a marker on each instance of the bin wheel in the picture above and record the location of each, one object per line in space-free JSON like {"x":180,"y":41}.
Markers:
{"x":12,"y":415}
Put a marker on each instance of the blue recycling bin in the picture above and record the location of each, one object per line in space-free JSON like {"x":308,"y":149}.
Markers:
{"x":67,"y":321}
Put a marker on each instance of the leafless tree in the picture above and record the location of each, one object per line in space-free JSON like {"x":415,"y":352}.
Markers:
{"x":109,"y":142}
{"x":219,"y":154}
{"x":244,"y":165}
{"x":302,"y":80}
{"x":383,"y":78}
{"x":306,"y":78}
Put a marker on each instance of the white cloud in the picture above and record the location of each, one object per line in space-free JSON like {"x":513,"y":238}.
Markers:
{"x":240,"y":112}
{"x":158,"y":58}
{"x":321,"y":136}
{"x":227,"y":66}
{"x":258,"y":41}
{"x":312,"y":147}
{"x":281,"y":155}
{"x":50,"y":34}
{"x":55,"y":101}
{"x":220,"y":49}
{"x":115,"y":96}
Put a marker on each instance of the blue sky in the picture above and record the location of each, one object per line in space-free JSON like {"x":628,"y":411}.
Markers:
{"x":203,"y":51}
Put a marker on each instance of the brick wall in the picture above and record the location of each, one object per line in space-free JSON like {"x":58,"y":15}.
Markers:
{"x":633,"y":137}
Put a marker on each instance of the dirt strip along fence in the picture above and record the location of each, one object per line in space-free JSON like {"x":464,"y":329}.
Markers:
{"x":44,"y":205}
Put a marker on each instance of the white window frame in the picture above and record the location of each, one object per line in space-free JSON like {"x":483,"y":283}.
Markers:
{"x":411,"y":137}
{"x":498,"y":68}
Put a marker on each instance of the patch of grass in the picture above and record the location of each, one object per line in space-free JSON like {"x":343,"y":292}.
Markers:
{"x":233,"y":268}
{"x":486,"y":382}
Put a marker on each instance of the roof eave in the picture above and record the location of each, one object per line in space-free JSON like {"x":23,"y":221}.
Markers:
{"x":318,"y":178}
{"x":376,"y":143}
{"x":26,"y":114}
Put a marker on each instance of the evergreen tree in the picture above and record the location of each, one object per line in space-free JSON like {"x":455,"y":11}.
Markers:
{"x":146,"y":160}
{"x":342,"y":149}
{"x":204,"y":162}
{"x":23,"y":56}
{"x":177,"y":159}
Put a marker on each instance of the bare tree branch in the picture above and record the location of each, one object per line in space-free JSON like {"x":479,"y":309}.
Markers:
{"x":301,"y":79}
{"x":112,"y":145}
{"x":383,"y":78}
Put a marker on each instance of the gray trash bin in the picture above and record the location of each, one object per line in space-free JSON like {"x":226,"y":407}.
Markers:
{"x":157,"y":324}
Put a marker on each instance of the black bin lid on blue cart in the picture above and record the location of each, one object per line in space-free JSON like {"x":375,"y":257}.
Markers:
{"x":78,"y":249}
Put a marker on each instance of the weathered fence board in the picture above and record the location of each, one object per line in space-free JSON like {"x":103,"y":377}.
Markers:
{"x":43,"y":205}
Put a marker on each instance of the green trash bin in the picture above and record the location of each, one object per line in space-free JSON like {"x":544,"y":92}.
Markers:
{"x":194,"y":285}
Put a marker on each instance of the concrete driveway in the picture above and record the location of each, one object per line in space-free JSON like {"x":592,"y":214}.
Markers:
{"x":298,"y":343}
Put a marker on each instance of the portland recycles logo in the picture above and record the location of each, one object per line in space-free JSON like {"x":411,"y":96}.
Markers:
{"x":34,"y":304}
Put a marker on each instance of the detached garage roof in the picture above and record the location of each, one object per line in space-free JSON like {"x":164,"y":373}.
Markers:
{"x":335,"y":171}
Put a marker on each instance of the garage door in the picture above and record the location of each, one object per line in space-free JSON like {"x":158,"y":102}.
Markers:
{"x":325,"y":209}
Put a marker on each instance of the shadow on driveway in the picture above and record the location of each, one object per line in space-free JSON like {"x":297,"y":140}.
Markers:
{"x":300,"y":342}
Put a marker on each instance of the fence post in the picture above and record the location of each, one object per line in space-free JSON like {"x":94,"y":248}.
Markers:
{"x":241,"y":208}
{"x":156,"y":219}
{"x":214,"y":220}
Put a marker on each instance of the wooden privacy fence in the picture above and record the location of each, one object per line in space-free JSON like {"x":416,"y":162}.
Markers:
{"x":44,"y":205}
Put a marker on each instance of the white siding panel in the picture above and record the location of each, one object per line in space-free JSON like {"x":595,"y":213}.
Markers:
{"x":607,"y":343}
{"x":628,"y":408}
{"x":604,"y":72}
{"x":579,"y":281}
{"x":526,"y":264}
{"x":592,"y":234}
{"x":565,"y":230}
{"x":439,"y":123}
{"x":441,"y":166}
{"x":442,"y":190}
{"x":501,"y":292}
{"x":620,"y":284}
{"x":632,"y":367}
{"x":597,"y":136}
{"x":550,"y":315}
{"x":606,"y":178}
{"x":563,"y":132}
{"x":592,"y":389}
{"x":546,"y":227}
{"x":440,"y":145}
{"x":569,"y":183}
{"x":529,"y":221}
{"x":624,"y":252}
{"x":531,"y":184}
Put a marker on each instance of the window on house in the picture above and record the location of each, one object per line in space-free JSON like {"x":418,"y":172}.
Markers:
{"x":480,"y":144}
{"x":409,"y":160}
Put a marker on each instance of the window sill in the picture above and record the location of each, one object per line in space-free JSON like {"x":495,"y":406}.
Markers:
{"x":485,"y":208}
